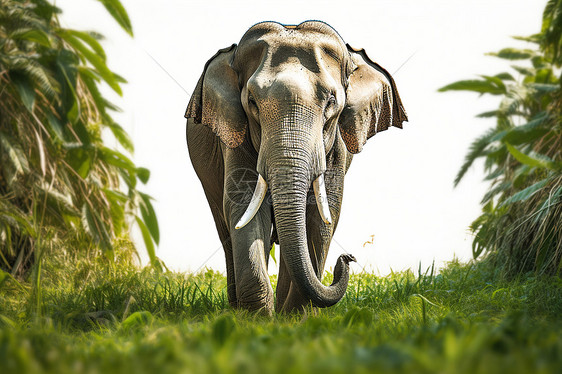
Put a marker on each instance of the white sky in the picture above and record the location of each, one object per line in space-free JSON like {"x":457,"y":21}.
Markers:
{"x":399,"y":188}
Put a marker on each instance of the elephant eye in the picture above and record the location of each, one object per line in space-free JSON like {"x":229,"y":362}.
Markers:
{"x":330,"y":106}
{"x":252,"y":101}
{"x":252,"y":105}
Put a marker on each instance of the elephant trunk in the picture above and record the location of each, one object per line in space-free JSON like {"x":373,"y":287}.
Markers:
{"x":289,"y":188}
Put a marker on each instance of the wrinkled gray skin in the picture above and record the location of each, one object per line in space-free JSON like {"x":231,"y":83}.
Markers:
{"x":290,"y":103}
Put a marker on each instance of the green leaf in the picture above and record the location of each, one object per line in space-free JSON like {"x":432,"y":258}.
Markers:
{"x":71,"y":101}
{"x":492,"y":113}
{"x":25,"y":90}
{"x":122,"y":137}
{"x":55,"y":127}
{"x":117,"y":202}
{"x":97,"y":62}
{"x":148,"y":243}
{"x":513,"y":54}
{"x":93,"y":224}
{"x":143,"y":174}
{"x":15,"y":155}
{"x":525,"y":194}
{"x":18,"y":220}
{"x":505,"y":76}
{"x":542,"y":162}
{"x":57,"y":200}
{"x":528,"y":132}
{"x":90,"y":39}
{"x":481,"y":86}
{"x":545,"y":88}
{"x":272,"y":253}
{"x":553,"y":198}
{"x":118,"y":12}
{"x":149,"y":216}
{"x":477,"y":149}
{"x":117,"y":159}
{"x":32,"y":35}
{"x":536,"y":38}
{"x":137,"y":320}
{"x":80,"y":158}
{"x":496,"y":81}
{"x":524,"y":70}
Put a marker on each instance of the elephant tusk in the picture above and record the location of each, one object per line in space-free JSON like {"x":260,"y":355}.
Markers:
{"x":322,"y":199}
{"x":255,"y":203}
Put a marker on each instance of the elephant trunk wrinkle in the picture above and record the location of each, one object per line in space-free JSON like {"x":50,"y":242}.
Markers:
{"x":289,"y":206}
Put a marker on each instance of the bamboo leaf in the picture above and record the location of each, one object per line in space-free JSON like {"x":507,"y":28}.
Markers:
{"x":492,"y":113}
{"x":57,"y":200}
{"x":41,"y":150}
{"x":143,"y":174}
{"x":533,"y":161}
{"x":15,"y":155}
{"x":117,"y":212}
{"x":525,"y":134}
{"x":148,"y":243}
{"x":118,"y":12}
{"x":513,"y":54}
{"x":32,"y":35}
{"x":545,"y":88}
{"x":97,"y":62}
{"x":92,"y":223}
{"x":18,"y":221}
{"x":496,"y":81}
{"x":55,"y":128}
{"x":90,"y":39}
{"x":25,"y":90}
{"x":524,"y":70}
{"x":272,"y":253}
{"x":118,"y":159}
{"x":525,"y":194}
{"x":481,"y":86}
{"x":505,"y":76}
{"x":122,"y":137}
{"x":149,"y":216}
{"x":476,"y":150}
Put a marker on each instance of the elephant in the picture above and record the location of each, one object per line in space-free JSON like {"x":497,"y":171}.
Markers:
{"x":272,"y":127}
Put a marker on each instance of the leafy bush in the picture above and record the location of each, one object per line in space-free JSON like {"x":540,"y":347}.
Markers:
{"x":521,"y":223}
{"x":59,"y":183}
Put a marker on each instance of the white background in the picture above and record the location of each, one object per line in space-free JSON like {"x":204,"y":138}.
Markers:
{"x":399,"y":188}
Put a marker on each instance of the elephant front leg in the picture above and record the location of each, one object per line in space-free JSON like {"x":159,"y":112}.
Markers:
{"x":250,"y":244}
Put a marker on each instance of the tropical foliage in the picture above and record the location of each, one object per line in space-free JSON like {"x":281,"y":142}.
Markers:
{"x":521,"y":223}
{"x":59,"y":183}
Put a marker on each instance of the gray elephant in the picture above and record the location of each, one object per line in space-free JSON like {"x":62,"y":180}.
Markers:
{"x":273,"y":124}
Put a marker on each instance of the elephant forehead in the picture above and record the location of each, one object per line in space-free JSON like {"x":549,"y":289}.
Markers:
{"x":311,"y":47}
{"x":305,"y":56}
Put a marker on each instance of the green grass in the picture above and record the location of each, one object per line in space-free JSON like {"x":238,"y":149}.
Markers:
{"x":115,"y":318}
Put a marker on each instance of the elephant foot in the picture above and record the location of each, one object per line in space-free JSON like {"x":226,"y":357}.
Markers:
{"x":261,"y":308}
{"x":258,"y":301}
{"x":295,"y":302}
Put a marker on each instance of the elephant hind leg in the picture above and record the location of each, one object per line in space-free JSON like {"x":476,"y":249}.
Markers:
{"x":283,"y":284}
{"x":225,"y":239}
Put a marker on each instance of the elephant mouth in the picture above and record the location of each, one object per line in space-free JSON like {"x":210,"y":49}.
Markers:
{"x":260,"y":190}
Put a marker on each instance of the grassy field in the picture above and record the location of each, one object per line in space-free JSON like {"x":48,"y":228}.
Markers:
{"x":116,"y":318}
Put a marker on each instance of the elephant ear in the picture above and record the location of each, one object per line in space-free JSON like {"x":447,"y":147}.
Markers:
{"x":215,"y":102}
{"x":372,"y":102}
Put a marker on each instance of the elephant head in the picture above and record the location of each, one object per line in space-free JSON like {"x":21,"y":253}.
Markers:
{"x":292,"y":92}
